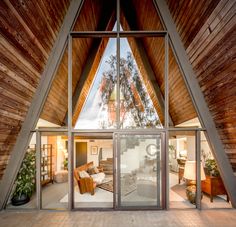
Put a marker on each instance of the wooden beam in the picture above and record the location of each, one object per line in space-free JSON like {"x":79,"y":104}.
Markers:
{"x":198,"y":100}
{"x":37,"y":104}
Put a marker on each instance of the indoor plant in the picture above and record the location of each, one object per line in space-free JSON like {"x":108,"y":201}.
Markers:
{"x":211,"y":168}
{"x":25,"y":181}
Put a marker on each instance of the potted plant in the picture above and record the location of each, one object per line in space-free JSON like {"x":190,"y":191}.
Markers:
{"x":25,"y":181}
{"x":211,"y":168}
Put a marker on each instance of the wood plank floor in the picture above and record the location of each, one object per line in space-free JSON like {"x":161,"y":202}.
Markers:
{"x":119,"y":218}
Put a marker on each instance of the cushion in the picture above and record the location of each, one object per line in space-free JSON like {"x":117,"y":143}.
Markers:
{"x":91,"y":171}
{"x":96,"y":170}
{"x":83,"y":174}
{"x":98,"y":177}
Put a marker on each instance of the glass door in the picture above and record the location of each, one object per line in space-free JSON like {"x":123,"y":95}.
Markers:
{"x":140,"y":170}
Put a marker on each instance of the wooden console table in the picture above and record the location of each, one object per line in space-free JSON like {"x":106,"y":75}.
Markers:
{"x":213,"y":186}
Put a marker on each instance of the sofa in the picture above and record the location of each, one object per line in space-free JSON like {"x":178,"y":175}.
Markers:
{"x":87,"y":180}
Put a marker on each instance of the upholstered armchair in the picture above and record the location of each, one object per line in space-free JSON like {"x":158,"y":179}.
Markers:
{"x":89,"y":183}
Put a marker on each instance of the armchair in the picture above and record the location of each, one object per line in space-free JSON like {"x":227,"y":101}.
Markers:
{"x":88,"y":184}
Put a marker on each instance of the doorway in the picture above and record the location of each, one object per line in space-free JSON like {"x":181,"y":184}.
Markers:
{"x":81,"y":153}
{"x":140,"y":171}
{"x":93,"y":186}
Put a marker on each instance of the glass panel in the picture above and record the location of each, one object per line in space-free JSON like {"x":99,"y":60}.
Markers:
{"x":96,"y":15}
{"x":23,"y":193}
{"x":139,"y":15}
{"x":216,"y":196}
{"x":182,"y":175}
{"x":96,"y":101}
{"x":93,"y":172}
{"x":141,"y":83}
{"x":54,"y":170}
{"x":140,"y":170}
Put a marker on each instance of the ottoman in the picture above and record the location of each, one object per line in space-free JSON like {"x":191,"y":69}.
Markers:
{"x":61,"y":176}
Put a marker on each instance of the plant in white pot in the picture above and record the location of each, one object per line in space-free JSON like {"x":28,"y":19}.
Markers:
{"x":25,"y":181}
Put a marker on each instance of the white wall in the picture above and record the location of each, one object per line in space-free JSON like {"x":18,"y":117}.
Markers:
{"x":190,"y":148}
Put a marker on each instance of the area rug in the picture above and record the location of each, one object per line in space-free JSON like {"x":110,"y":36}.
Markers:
{"x":180,"y":189}
{"x":99,"y":196}
{"x":108,"y":186}
{"x":125,"y":190}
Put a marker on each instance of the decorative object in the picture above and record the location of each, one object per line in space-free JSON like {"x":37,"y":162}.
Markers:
{"x":152,"y":149}
{"x":25,"y":181}
{"x":211,"y":168}
{"x":190,"y":176}
{"x":183,"y":154}
{"x":94,"y":150}
{"x":65,"y":162}
{"x":181,"y":163}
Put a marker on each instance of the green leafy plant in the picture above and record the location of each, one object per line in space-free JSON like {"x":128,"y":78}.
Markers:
{"x":25,"y":181}
{"x":65,"y":163}
{"x":211,"y":168}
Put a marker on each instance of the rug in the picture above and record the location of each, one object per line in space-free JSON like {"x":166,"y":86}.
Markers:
{"x":100,"y":195}
{"x":108,"y":186}
{"x":125,"y":190}
{"x":180,"y":189}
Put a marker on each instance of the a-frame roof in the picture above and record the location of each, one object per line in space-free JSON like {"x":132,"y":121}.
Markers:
{"x":29,"y":29}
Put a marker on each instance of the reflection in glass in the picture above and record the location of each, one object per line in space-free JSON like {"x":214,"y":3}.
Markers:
{"x":140,"y":171}
{"x":99,"y":109}
{"x":136,"y":107}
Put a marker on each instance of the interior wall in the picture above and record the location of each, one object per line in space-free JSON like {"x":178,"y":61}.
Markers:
{"x":106,"y":145}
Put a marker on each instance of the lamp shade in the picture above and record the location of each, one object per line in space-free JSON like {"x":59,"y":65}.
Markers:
{"x":190,"y":171}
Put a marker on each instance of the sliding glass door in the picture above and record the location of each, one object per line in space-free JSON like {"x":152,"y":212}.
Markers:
{"x":139,"y":170}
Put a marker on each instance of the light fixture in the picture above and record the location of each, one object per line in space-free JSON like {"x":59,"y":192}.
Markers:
{"x":190,"y":176}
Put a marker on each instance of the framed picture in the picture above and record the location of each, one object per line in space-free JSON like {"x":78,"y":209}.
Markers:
{"x":94,"y":150}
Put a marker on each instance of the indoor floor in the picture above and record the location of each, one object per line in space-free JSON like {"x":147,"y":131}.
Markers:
{"x":55,"y":196}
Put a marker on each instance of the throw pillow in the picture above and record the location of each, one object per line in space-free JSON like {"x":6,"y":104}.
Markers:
{"x":83,"y":174}
{"x":96,"y":170}
{"x":91,"y":170}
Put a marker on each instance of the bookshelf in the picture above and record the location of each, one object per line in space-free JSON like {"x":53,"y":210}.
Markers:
{"x":46,"y":164}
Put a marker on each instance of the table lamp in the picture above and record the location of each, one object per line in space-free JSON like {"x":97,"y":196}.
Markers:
{"x":190,"y":176}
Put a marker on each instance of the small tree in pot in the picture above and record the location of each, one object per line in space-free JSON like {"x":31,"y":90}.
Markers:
{"x":25,"y":181}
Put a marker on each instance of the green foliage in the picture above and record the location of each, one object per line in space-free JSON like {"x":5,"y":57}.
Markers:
{"x":65,"y":163}
{"x":130,"y":78}
{"x":25,"y":181}
{"x":212,"y":168}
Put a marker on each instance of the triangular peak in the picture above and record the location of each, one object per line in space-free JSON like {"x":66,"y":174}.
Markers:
{"x":136,"y":107}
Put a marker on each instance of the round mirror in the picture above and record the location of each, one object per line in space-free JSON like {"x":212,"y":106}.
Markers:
{"x":152,"y":149}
